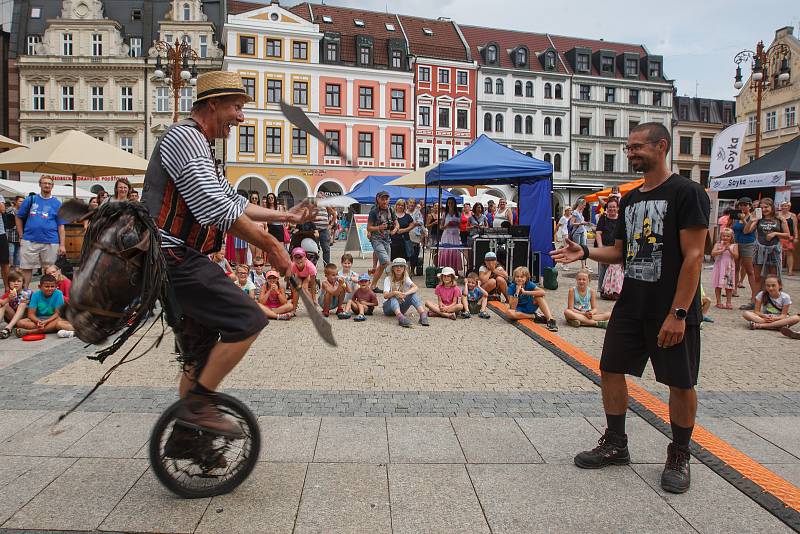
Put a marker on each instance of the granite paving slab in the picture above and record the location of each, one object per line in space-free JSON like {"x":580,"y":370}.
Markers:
{"x":748,"y":442}
{"x":39,"y":439}
{"x":494,"y":440}
{"x":783,"y":432}
{"x":120,"y":435}
{"x":646,"y":444}
{"x":423,"y":440}
{"x":790,"y":472}
{"x":12,"y":421}
{"x":288,"y":439}
{"x":558,"y":440}
{"x":352,"y":439}
{"x":22,"y":477}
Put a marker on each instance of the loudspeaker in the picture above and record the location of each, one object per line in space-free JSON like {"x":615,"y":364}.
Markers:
{"x":519,"y":254}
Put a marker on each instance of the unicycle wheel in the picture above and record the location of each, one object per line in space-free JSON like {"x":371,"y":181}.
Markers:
{"x":195,"y":464}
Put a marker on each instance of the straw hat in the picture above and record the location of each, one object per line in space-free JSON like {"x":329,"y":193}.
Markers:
{"x":220,"y":83}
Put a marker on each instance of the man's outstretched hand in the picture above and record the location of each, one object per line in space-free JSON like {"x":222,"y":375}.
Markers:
{"x":572,"y":252}
{"x":303,"y":212}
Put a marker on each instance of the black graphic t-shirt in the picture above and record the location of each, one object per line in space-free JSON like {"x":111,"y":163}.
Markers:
{"x":649,"y":227}
{"x":767,"y":226}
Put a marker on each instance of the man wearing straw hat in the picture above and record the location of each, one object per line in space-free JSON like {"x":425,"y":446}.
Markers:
{"x":194,"y":205}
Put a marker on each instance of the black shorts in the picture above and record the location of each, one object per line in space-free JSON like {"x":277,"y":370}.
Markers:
{"x":211,"y":299}
{"x":4,"y":257}
{"x":630,"y":342}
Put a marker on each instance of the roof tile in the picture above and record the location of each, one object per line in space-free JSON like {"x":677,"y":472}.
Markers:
{"x":507,"y":40}
{"x":445,"y":43}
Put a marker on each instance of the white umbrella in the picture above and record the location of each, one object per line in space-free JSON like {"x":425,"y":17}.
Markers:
{"x":7,"y":142}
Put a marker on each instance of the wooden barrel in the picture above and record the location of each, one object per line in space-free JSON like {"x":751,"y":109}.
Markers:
{"x":73,"y":237}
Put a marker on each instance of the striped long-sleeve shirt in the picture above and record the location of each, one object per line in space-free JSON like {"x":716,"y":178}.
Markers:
{"x":187,"y":157}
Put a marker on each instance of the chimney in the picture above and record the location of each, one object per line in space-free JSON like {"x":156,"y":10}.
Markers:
{"x":783,"y":32}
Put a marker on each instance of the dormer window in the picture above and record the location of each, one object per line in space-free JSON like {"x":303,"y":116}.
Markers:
{"x":654,"y":69}
{"x":364,"y":55}
{"x":187,"y":12}
{"x":359,"y":23}
{"x":389,"y":27}
{"x":491,"y":54}
{"x":606,"y":65}
{"x":522,"y":57}
{"x":631,"y":67}
{"x":428,"y":32}
{"x":582,"y":63}
{"x":327,"y":19}
{"x":330,"y":47}
{"x":364,"y":49}
{"x":397,"y":59}
{"x":550,"y":60}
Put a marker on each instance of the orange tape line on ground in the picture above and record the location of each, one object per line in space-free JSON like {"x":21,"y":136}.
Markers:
{"x":746,"y":466}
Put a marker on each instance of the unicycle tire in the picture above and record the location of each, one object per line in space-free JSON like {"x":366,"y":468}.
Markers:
{"x":196,"y":471}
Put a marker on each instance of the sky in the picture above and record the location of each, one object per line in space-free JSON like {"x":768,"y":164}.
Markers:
{"x":698,"y":38}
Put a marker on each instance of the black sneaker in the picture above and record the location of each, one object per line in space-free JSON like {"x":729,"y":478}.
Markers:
{"x":552,"y":326}
{"x":612,"y":449}
{"x":676,"y":476}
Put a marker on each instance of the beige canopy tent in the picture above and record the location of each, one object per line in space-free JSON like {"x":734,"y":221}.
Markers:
{"x":412,"y":179}
{"x":14,"y":187}
{"x":73,"y":153}
{"x":7,"y":142}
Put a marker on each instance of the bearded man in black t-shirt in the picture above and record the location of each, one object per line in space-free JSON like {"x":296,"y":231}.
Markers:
{"x":660,"y":239}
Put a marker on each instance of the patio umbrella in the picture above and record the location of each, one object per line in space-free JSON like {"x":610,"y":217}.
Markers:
{"x":73,"y":153}
{"x":7,"y":142}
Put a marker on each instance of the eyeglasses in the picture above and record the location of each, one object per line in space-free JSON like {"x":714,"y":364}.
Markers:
{"x":636,"y":147}
{"x":258,"y":265}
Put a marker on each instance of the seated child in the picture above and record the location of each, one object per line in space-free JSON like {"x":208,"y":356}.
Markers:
{"x":448,"y":296}
{"x":525,"y":298}
{"x":492,"y":276}
{"x":349,"y":275}
{"x":13,"y":303}
{"x":257,"y":274}
{"x":43,"y":312}
{"x":332,"y":292}
{"x":364,"y":298}
{"x":242,"y":280}
{"x":219,"y":258}
{"x":306,"y":274}
{"x":582,"y":306}
{"x":772,"y":307}
{"x":63,"y":283}
{"x":400,"y":293}
{"x":474,"y":298}
{"x":273,"y":298}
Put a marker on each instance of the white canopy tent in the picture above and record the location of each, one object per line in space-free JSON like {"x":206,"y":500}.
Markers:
{"x":10,"y":188}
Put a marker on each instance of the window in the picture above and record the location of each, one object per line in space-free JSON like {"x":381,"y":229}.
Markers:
{"x":364,"y":55}
{"x":365,"y":97}
{"x":300,"y":50}
{"x":299,"y":142}
{"x":546,"y":156}
{"x":656,"y":98}
{"x":491,"y":54}
{"x":136,"y":14}
{"x":97,"y":44}
{"x":397,"y":59}
{"x":389,"y":27}
{"x":365,"y":145}
{"x":557,"y":127}
{"x":66,"y":44}
{"x":187,"y":13}
{"x":488,"y":86}
{"x":583,"y":161}
{"x":611,"y":94}
{"x":37,"y":138}
{"x":686,"y":173}
{"x":247,"y":45}
{"x":424,"y":74}
{"x":300,"y":93}
{"x":727,"y":116}
{"x":655,"y":70}
{"x":168,"y":38}
{"x":185,"y":101}
{"x":37,"y":96}
{"x":518,"y":124}
{"x":36,"y":12}
{"x":126,"y":143}
{"x":585,"y":126}
{"x":529,"y":89}
{"x":522,"y":57}
{"x":97,"y":98}
{"x":462,"y":77}
{"x":444,"y":117}
{"x":498,"y":123}
{"x":529,"y":124}
{"x":606,"y":65}
{"x":633,"y":96}
{"x":274,"y":48}
{"x":487,"y":122}
{"x":632,"y":125}
{"x":332,"y":147}
{"x":424,"y":157}
{"x":249,"y":84}
{"x":631,"y":67}
{"x":33,"y":40}
{"x":272,"y":140}
{"x":333,"y":95}
{"x":559,"y":92}
{"x":398,"y":100}
{"x":67,"y":98}
{"x":444,"y":75}
{"x":704,"y":178}
{"x":788,"y":116}
{"x":135,"y":48}
{"x":499,"y":86}
{"x":444,"y":154}
{"x":247,"y":139}
{"x":518,"y":88}
{"x":398,"y":147}
{"x":686,"y":145}
{"x":162,"y":98}
{"x":548,"y":126}
{"x":751,"y":125}
{"x":358,"y":22}
{"x":274,"y":91}
{"x":424,"y":116}
{"x":705,"y":113}
{"x":548,"y":90}
{"x":327,"y":19}
{"x":586,"y":92}
{"x":557,"y":163}
{"x":462,"y":119}
{"x":772,"y":121}
{"x":203,"y":46}
{"x":428,"y":32}
{"x":608,"y":162}
{"x":610,"y":127}
{"x":550,"y":60}
{"x":331,"y":52}
{"x":583,"y":63}
{"x":705,"y":146}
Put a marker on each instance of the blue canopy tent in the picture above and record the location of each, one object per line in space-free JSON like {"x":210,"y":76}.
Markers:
{"x":487,"y":162}
{"x":364,"y":193}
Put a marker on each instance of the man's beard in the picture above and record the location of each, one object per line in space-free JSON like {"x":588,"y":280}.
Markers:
{"x":641,"y":165}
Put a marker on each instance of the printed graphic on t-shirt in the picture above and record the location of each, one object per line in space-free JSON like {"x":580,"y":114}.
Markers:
{"x":644,"y":225}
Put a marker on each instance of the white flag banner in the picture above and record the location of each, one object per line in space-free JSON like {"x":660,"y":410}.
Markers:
{"x":727,"y":149}
{"x":749,"y":181}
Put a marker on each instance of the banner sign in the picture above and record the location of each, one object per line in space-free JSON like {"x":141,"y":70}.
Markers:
{"x":357,"y":238}
{"x":727,"y":150}
{"x":748,"y":181}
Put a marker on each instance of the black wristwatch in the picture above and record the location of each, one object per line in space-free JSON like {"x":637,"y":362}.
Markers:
{"x":680,"y":313}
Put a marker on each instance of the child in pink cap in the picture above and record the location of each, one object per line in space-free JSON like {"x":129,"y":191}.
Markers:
{"x":273,"y":298}
{"x":306,"y":274}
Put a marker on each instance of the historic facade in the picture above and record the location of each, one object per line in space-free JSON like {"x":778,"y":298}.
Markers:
{"x":780,"y":101}
{"x":695,"y":122}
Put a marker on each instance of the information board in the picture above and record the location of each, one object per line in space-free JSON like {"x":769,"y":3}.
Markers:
{"x":357,"y":236}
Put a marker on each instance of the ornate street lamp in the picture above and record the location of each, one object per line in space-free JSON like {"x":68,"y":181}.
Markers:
{"x":176,"y":72}
{"x":762,"y":61}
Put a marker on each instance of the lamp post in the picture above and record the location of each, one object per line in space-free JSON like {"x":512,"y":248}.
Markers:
{"x":175,"y":72}
{"x":775,"y":60}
